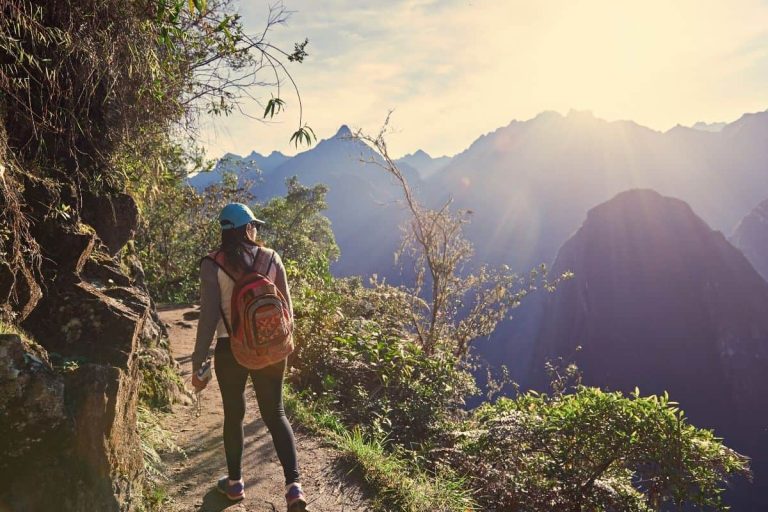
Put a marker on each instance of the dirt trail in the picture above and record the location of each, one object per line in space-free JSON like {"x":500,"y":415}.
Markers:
{"x":325,"y":477}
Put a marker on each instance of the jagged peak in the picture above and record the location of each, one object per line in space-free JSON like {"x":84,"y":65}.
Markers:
{"x":230,"y":156}
{"x":274,"y":154}
{"x":419,"y":153}
{"x":344,"y":131}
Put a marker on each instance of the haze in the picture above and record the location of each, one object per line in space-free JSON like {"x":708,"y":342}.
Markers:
{"x":454,"y":69}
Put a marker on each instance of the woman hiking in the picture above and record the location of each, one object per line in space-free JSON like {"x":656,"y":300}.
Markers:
{"x":241,"y":254}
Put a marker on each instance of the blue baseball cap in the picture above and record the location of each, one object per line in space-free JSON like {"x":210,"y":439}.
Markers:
{"x":235,"y":215}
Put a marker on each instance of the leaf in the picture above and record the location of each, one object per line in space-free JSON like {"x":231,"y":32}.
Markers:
{"x":274,"y":106}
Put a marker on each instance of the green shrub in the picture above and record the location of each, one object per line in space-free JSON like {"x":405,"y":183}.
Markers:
{"x":355,"y":354}
{"x":399,"y":483}
{"x":169,"y":250}
{"x":591,"y":450}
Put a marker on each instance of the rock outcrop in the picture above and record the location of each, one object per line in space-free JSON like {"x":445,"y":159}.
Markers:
{"x":70,"y":426}
{"x":73,"y":117}
{"x":31,"y":398}
{"x":661,"y":301}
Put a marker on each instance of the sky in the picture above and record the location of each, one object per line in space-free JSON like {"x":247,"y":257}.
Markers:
{"x":452,"y":70}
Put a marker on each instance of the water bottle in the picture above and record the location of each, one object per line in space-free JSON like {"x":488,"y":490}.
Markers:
{"x":203,"y":374}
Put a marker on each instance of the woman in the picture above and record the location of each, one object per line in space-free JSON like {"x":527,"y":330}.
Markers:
{"x":242,"y":251}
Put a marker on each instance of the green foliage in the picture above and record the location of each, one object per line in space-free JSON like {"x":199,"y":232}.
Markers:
{"x":154,"y":441}
{"x":157,"y":387}
{"x":363,"y":376}
{"x":206,"y":47}
{"x":295,"y":226}
{"x":274,"y":105}
{"x":170,"y":250}
{"x":355,"y":353}
{"x":591,"y":450}
{"x":399,"y":484}
{"x":9,"y":328}
{"x":304,"y":135}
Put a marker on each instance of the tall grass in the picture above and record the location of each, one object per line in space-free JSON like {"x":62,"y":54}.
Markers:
{"x":399,"y":484}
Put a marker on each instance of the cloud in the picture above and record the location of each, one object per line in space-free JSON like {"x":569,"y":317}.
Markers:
{"x":455,"y":69}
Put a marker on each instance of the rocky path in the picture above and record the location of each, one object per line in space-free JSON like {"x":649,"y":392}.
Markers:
{"x":193,"y":474}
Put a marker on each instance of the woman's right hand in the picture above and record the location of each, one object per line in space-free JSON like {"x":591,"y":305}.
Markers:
{"x":198,"y":384}
{"x":201,"y":376}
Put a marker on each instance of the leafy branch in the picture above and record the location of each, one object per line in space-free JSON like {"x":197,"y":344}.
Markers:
{"x":457,"y":306}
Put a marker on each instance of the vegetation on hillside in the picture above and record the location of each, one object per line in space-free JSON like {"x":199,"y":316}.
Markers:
{"x":384,"y":371}
{"x":577,"y":448}
{"x":100,"y":99}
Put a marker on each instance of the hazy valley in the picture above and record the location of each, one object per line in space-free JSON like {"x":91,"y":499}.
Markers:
{"x":660,"y":297}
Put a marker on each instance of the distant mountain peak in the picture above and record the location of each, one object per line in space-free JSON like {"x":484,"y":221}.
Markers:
{"x":231,"y":156}
{"x":660,"y":301}
{"x":547,"y":115}
{"x":751,"y":237}
{"x":709,"y":127}
{"x":343,"y":132}
{"x":419,"y":154}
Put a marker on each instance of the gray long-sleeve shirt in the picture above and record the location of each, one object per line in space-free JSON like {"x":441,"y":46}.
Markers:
{"x":210,"y":303}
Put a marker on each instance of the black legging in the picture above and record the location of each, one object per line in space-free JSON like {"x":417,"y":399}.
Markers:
{"x":268,"y":383}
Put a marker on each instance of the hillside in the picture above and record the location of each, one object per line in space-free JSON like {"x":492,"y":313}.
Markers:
{"x":751,"y":237}
{"x":363,"y":203}
{"x":529,"y":183}
{"x":663,"y":302}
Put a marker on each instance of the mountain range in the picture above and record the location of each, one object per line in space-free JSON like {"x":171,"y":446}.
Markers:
{"x":659,"y":300}
{"x":530,"y":182}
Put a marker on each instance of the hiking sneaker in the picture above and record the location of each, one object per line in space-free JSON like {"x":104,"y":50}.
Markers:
{"x":294,"y":497}
{"x":233,"y":492}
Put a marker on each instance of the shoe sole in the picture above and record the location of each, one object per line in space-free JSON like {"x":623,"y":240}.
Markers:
{"x":230,"y":498}
{"x":298,"y":507}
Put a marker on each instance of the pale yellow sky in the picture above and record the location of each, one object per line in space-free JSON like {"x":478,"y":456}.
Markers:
{"x":453,"y":70}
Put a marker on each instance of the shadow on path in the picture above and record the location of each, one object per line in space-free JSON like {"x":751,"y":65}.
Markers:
{"x":214,"y":501}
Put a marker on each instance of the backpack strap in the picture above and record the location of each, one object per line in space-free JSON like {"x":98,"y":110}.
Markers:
{"x":271,"y":262}
{"x":262,"y":265}
{"x":219,"y":259}
{"x":255,"y":260}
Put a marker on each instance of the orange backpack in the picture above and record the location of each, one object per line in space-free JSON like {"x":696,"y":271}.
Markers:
{"x":261,"y":333}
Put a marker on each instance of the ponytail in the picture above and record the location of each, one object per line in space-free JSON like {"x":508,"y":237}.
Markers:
{"x":233,"y":245}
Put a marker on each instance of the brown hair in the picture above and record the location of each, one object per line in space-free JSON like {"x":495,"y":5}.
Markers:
{"x":233,"y":245}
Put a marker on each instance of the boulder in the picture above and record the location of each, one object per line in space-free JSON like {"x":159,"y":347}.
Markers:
{"x":96,"y":462}
{"x":84,"y":321}
{"x":114,"y":217}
